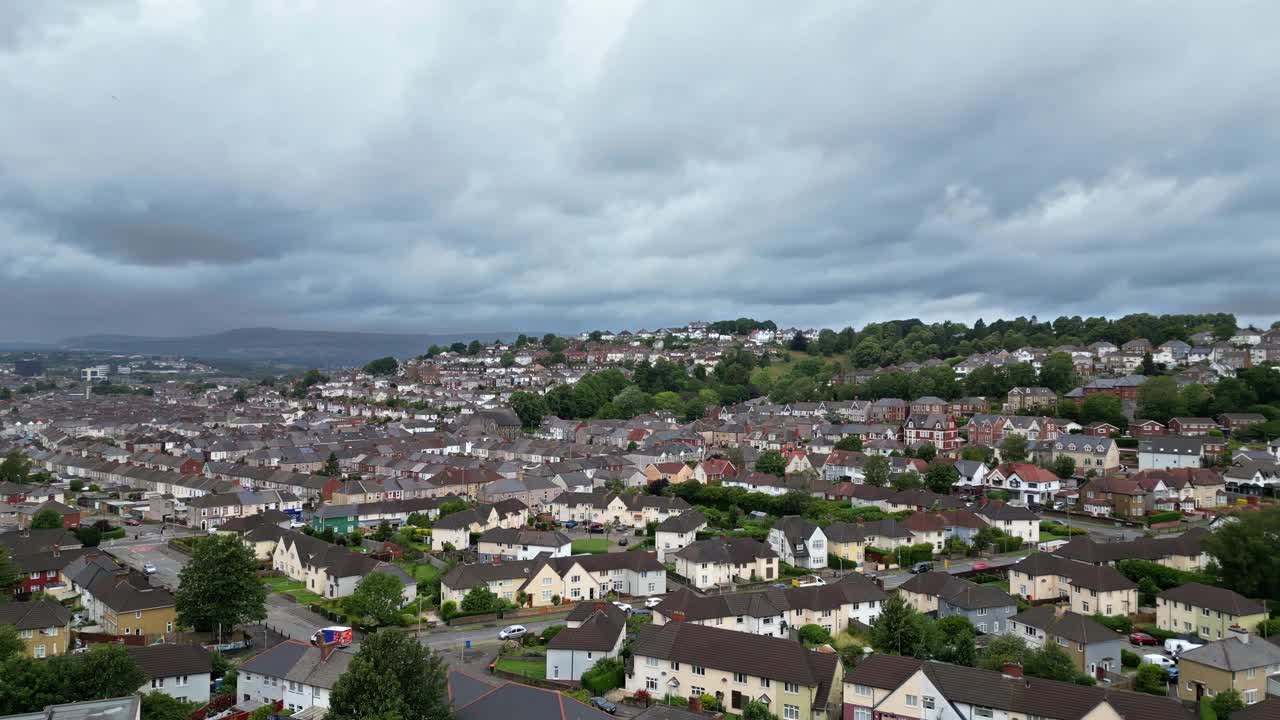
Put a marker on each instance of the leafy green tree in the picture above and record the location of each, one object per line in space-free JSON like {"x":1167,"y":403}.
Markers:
{"x":47,"y":519}
{"x":474,"y":347}
{"x":1102,"y":407}
{"x":1245,"y":553}
{"x":607,"y":674}
{"x":1152,"y":679}
{"x":219,"y":587}
{"x":104,"y":671}
{"x":1226,"y":702}
{"x":1064,"y":466}
{"x":450,"y":507}
{"x":1195,"y":399}
{"x":378,"y":597}
{"x":1159,"y":399}
{"x":1002,"y":649}
{"x":898,"y":629}
{"x":10,"y":643}
{"x":10,"y":577}
{"x":927,"y":452}
{"x":239,"y":396}
{"x":1050,"y":662}
{"x":955,"y":641}
{"x":382,"y":366}
{"x":530,"y":408}
{"x":507,"y":360}
{"x":814,"y":634}
{"x":158,"y":706}
{"x":908,"y":480}
{"x":1013,"y":449}
{"x":941,"y":477}
{"x":875,"y":471}
{"x":392,"y":677}
{"x":1148,"y":364}
{"x":480,"y":599}
{"x":15,"y":468}
{"x":1057,"y":372}
{"x":771,"y":462}
{"x":331,"y":468}
{"x":853,"y":443}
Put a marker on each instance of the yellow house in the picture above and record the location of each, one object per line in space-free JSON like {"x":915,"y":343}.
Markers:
{"x":687,"y":660}
{"x":719,"y":562}
{"x":851,"y":540}
{"x":1206,"y":611}
{"x":131,"y":610}
{"x":43,"y":626}
{"x":1088,"y":588}
{"x":1241,"y":662}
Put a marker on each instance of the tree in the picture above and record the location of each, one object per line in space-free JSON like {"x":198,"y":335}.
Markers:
{"x":10,"y":643}
{"x":331,"y":468}
{"x":1226,"y":702}
{"x":814,"y":634}
{"x":507,"y":359}
{"x":393,"y":676}
{"x":219,"y":587}
{"x":941,"y":477}
{"x":1152,"y":679}
{"x":382,"y":366}
{"x":897,"y":630}
{"x":908,"y":480}
{"x":450,"y":507}
{"x":1003,"y":649}
{"x":799,"y":342}
{"x":1057,"y":372}
{"x":529,"y":407}
{"x":378,"y":597}
{"x":1244,"y":552}
{"x":853,"y":443}
{"x":15,"y":468}
{"x":875,"y":471}
{"x":1159,"y":399}
{"x":1013,"y":449}
{"x":47,"y":519}
{"x":239,"y":396}
{"x":1050,"y":662}
{"x":955,"y":641}
{"x":474,"y":347}
{"x":158,"y":706}
{"x":1064,"y":466}
{"x":77,"y":485}
{"x":10,"y":578}
{"x":1103,"y":407}
{"x":383,"y":532}
{"x":480,"y":599}
{"x":1148,"y":364}
{"x":104,"y":671}
{"x":771,"y":462}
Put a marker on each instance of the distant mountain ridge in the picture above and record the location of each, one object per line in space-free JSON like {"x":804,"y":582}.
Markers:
{"x":321,"y":348}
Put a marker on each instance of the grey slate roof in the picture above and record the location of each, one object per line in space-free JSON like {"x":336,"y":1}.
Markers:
{"x":299,"y":662}
{"x":1234,"y":654}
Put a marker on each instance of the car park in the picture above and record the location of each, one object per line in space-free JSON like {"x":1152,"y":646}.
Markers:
{"x":512,"y":632}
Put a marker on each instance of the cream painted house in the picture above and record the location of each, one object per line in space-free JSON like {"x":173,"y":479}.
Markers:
{"x":1088,"y":588}
{"x":718,"y":562}
{"x":546,"y":581}
{"x":1207,"y":611}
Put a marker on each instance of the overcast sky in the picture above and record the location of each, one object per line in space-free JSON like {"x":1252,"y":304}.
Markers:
{"x":178,"y":167}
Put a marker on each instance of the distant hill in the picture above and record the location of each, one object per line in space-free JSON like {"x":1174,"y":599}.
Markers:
{"x":306,"y":347}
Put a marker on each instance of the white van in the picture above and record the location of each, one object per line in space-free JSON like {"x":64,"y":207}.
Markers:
{"x":1161,"y":660}
{"x":1176,"y":647}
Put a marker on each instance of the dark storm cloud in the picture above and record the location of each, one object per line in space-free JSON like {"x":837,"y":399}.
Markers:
{"x":193,"y":166}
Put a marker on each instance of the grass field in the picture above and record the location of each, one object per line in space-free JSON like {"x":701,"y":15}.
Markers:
{"x":299,"y":591}
{"x":595,"y":546}
{"x":528,"y":667}
{"x":424,"y":572}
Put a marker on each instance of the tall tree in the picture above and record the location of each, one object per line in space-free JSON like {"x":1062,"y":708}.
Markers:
{"x":1159,"y":399}
{"x":331,"y":467}
{"x":47,"y":519}
{"x":1226,"y":702}
{"x":875,"y":471}
{"x":853,"y":443}
{"x":1245,"y":553}
{"x":771,"y":462}
{"x":220,"y":587}
{"x":15,"y":468}
{"x":1003,"y":649}
{"x":941,"y":477}
{"x":377,"y":597}
{"x":898,"y":629}
{"x":1013,"y":449}
{"x":10,"y":578}
{"x":158,"y":706}
{"x":529,"y":407}
{"x":1057,"y":372}
{"x":1064,"y":466}
{"x":955,"y":641}
{"x":382,"y":366}
{"x":393,"y":676}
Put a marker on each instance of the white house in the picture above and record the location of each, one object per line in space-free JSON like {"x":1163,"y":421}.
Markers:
{"x":799,"y":542}
{"x":179,"y":671}
{"x":1164,"y":452}
{"x":522,"y":544}
{"x":677,"y":533}
{"x":593,"y":631}
{"x":293,"y":672}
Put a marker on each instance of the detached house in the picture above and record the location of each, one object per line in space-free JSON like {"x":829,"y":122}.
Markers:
{"x":1025,"y":482}
{"x":799,"y":542}
{"x":593,"y":632}
{"x":293,"y":673}
{"x":1015,"y":520}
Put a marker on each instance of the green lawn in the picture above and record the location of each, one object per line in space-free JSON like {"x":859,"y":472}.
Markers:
{"x":424,"y":572}
{"x":299,"y":591}
{"x":595,"y":546}
{"x":528,"y":667}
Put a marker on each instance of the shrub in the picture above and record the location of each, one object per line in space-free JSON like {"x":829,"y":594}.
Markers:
{"x":448,"y":609}
{"x":676,"y":700}
{"x":604,"y":676}
{"x":1155,"y":632}
{"x":550,"y":632}
{"x":1152,"y":679}
{"x":711,"y":704}
{"x":1129,"y":659}
{"x":642,"y":696}
{"x":1163,"y":517}
{"x":555,"y":599}
{"x":1119,"y":623}
{"x":814,"y":635}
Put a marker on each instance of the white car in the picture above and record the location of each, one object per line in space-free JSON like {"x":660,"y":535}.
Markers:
{"x":1161,"y":660}
{"x":297,"y":524}
{"x":624,"y":607}
{"x":512,"y":632}
{"x":149,"y":568}
{"x":652,"y":602}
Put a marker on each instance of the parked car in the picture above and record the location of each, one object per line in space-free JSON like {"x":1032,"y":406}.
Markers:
{"x":624,"y":607}
{"x":1158,"y":659}
{"x":596,"y":528}
{"x":295,"y":524}
{"x":652,"y":602}
{"x":132,"y":521}
{"x":512,"y":632}
{"x":979,"y":566}
{"x":622,"y":540}
{"x":807,"y":581}
{"x":605,"y":705}
{"x":921,"y":567}
{"x":1057,"y":522}
{"x":1141,"y":638}
{"x":571,"y":524}
{"x":1173,"y":674}
{"x":149,"y":568}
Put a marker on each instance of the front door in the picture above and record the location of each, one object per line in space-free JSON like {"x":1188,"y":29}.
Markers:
{"x":737,"y":700}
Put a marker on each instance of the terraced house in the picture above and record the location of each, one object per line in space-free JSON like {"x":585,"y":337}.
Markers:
{"x":1207,"y":611}
{"x":543,"y":581}
{"x":688,"y":660}
{"x":634,"y":511}
{"x":328,"y":570}
{"x":849,"y":541}
{"x":1088,"y":588}
{"x":775,"y":611}
{"x":455,"y":530}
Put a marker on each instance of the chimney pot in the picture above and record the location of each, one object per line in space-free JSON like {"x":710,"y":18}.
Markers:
{"x":1011,"y":670}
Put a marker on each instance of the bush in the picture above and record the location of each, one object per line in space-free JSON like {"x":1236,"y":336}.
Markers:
{"x":604,"y":676}
{"x":1152,"y":679}
{"x":550,"y":632}
{"x":1163,"y":517}
{"x":814,"y":635}
{"x":1129,"y":659}
{"x":448,"y":609}
{"x":676,"y":700}
{"x":711,"y":704}
{"x":1119,"y":623}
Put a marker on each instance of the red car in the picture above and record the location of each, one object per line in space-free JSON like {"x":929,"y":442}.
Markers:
{"x":1141,"y":638}
{"x":979,"y":566}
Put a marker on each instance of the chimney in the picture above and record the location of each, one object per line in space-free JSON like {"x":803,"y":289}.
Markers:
{"x":1011,"y":670}
{"x":677,"y":616}
{"x":326,"y":649}
{"x":1235,"y":631}
{"x":598,"y":607}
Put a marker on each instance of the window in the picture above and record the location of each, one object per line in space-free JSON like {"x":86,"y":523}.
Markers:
{"x":575,"y":578}
{"x":764,"y":682}
{"x":826,"y":613}
{"x":791,"y":712}
{"x":675,"y":665}
{"x":982,"y":627}
{"x":697,"y":691}
{"x":1084,"y":606}
{"x":1204,"y":630}
{"x":982,"y":712}
{"x":982,"y":611}
{"x":791,"y":688}
{"x":926,"y":702}
{"x":546,"y":581}
{"x":39,"y":651}
{"x":862,"y":714}
{"x":180,"y":681}
{"x":698,"y":670}
{"x":740,"y":678}
{"x":862,"y":690}
{"x":1062,"y":641}
{"x":651,"y":683}
{"x":1204,"y":611}
{"x":1250,"y":673}
{"x":157,"y":683}
{"x":912,"y":701}
{"x":1250,"y":697}
{"x":138,"y":615}
{"x":651,"y":661}
{"x":740,"y":619}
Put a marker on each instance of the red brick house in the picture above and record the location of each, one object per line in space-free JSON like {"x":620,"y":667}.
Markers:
{"x":937,"y":430}
{"x":1146,"y":429}
{"x":1232,"y":422}
{"x":1192,"y":426}
{"x":70,"y":515}
{"x":1101,"y":429}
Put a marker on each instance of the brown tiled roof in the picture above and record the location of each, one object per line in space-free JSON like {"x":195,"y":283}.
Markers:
{"x":169,"y":660}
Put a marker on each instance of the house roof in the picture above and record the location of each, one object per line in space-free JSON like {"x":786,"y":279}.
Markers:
{"x":511,"y":700}
{"x":1172,"y":445}
{"x":1213,"y":598}
{"x":599,"y":630}
{"x":523,"y":536}
{"x":1268,"y":709}
{"x":687,"y":521}
{"x":34,"y":615}
{"x":736,"y":551}
{"x":300,"y":662}
{"x":169,"y":660}
{"x":1234,"y":654}
{"x":1068,"y":625}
